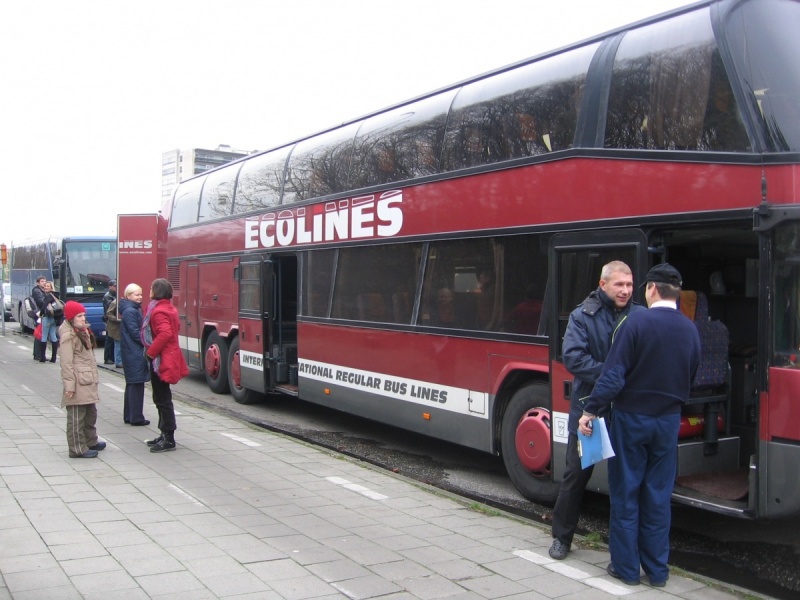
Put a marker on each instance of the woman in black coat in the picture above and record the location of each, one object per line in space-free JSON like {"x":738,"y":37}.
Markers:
{"x":134,"y":363}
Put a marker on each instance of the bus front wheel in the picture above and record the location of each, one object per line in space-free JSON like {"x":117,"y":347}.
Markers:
{"x":215,"y":363}
{"x":241,"y":394}
{"x":526,"y":446}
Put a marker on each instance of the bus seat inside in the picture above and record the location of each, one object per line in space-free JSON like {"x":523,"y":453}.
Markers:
{"x":711,"y":388}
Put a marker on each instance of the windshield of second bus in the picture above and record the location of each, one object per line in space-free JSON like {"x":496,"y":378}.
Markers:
{"x":89,"y":266}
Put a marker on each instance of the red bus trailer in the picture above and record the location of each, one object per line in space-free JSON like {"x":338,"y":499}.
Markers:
{"x":417,"y":266}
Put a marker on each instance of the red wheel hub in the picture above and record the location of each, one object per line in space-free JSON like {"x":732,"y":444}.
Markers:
{"x":213,"y":361}
{"x":532,"y":441}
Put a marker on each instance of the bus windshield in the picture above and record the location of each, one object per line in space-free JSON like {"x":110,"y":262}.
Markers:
{"x":89,"y":266}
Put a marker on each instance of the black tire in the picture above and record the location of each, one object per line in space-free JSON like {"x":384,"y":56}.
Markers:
{"x":241,"y":394}
{"x":215,"y":363}
{"x":529,"y":466}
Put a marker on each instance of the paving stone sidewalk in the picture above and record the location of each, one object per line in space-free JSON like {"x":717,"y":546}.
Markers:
{"x":238,"y":512}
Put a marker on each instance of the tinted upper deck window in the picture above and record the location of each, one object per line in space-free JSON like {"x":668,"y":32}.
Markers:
{"x":261,"y":181}
{"x":670,"y":91}
{"x":400,"y":144}
{"x":320,"y":165}
{"x":526,"y":111}
{"x":763,"y":40}
{"x":217,"y":197}
{"x":186,"y":203}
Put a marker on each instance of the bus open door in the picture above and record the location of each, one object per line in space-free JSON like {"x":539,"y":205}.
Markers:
{"x":576,"y":260}
{"x":266,"y":346}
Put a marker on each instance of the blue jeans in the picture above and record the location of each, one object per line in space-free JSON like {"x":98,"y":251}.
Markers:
{"x":117,"y":352}
{"x":49,"y":330}
{"x":640,"y":481}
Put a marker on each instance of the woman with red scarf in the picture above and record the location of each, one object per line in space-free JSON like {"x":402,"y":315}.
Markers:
{"x":167,"y":365}
{"x":80,"y":379}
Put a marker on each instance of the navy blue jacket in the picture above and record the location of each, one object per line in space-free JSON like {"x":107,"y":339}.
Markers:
{"x":587,"y":341}
{"x":133,"y":361}
{"x":651,"y":365}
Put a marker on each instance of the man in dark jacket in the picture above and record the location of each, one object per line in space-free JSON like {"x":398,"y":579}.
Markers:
{"x":587,"y":341}
{"x":109,"y":297}
{"x":38,"y":295}
{"x":648,"y":374}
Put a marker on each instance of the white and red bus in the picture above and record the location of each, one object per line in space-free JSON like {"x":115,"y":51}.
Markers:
{"x":417,"y":266}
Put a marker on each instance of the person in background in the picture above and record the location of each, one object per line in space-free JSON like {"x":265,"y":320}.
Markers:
{"x":109,"y":297}
{"x":648,"y":374}
{"x":52,"y":317}
{"x":80,"y":380}
{"x":37,"y":293}
{"x":587,"y":341}
{"x":113,"y":332}
{"x":167,"y":365}
{"x":134,"y":363}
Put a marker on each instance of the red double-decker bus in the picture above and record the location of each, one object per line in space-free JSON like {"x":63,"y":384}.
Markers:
{"x":417,"y":266}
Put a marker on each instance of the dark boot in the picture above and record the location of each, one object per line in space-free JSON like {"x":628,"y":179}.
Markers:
{"x":54,"y":346}
{"x":36,"y":349}
{"x":42,"y":351}
{"x":154,"y":441}
{"x":166,"y":443}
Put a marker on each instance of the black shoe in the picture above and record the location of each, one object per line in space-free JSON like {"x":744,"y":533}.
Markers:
{"x":100,"y":445}
{"x":613,"y":572}
{"x":166,"y":444}
{"x":108,"y":362}
{"x":141,"y":424}
{"x":154,"y":441}
{"x":658,"y":584}
{"x":88,"y":454}
{"x":558,"y":550}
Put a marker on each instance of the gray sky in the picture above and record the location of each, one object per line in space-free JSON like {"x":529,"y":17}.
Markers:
{"x":95,"y":90}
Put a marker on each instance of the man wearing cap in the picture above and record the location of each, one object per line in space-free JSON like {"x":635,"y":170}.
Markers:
{"x":648,"y":375}
{"x":108,"y":348}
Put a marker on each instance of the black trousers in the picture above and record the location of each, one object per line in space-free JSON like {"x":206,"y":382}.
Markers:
{"x":567,"y":510}
{"x":162,"y":398}
{"x":108,"y":349}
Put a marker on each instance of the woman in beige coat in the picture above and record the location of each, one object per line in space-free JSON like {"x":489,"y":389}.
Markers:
{"x":80,"y":378}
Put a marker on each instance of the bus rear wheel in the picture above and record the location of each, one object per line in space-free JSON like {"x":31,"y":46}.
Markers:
{"x":526,"y":444}
{"x":241,"y":394}
{"x":215,"y":363}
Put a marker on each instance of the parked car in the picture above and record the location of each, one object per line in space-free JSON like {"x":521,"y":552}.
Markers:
{"x":7,"y":302}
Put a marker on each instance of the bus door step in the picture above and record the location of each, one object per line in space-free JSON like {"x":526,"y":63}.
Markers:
{"x":285,"y":388}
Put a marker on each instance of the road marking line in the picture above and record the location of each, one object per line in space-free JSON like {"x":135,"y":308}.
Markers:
{"x":359,"y":489}
{"x":573,"y":573}
{"x":114,"y":387}
{"x":186,"y":495}
{"x":241,"y":440}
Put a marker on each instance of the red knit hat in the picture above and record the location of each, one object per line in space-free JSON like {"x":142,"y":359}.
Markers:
{"x":72,"y":309}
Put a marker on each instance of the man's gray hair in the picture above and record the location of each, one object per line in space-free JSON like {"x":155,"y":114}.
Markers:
{"x":615,"y":266}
